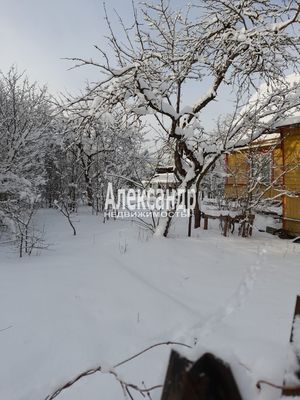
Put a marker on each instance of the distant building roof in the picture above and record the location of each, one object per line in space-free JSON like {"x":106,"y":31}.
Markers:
{"x":164,"y":169}
{"x":164,"y":178}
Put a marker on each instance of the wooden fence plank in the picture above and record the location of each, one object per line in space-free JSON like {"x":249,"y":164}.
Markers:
{"x":296,"y":392}
{"x":209,"y":378}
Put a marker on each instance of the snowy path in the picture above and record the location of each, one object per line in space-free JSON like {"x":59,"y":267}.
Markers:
{"x":111,"y":291}
{"x":235,"y":302}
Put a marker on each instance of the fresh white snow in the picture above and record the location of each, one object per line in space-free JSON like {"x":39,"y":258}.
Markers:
{"x":102,"y":296}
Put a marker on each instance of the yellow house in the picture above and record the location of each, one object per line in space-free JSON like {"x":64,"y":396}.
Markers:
{"x":290,"y":134}
{"x":269,"y":168}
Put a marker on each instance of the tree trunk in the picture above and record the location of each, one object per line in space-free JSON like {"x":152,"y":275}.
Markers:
{"x":89,"y":192}
{"x":167,"y":226}
{"x":197,"y":214}
{"x":190,"y":224}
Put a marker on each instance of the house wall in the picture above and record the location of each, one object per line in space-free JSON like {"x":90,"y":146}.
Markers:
{"x":285,"y":175}
{"x":233,"y":191}
{"x":277,"y":170}
{"x":291,"y":156}
{"x":238,"y":167}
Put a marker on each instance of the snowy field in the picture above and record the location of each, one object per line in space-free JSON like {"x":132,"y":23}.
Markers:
{"x":102,"y":296}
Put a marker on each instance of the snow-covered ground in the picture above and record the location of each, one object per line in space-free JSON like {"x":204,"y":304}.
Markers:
{"x":102,"y":296}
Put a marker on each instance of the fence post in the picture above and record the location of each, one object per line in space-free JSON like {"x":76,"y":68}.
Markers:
{"x":205,"y":227}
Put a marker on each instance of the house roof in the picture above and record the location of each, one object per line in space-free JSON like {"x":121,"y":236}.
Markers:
{"x":268,"y":140}
{"x":295,"y":120}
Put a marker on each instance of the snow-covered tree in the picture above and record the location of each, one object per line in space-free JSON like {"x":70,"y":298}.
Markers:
{"x":25,"y":125}
{"x":237,"y":44}
{"x":100,"y":147}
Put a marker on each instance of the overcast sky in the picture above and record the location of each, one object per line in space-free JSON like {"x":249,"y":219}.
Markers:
{"x":36,"y":34}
